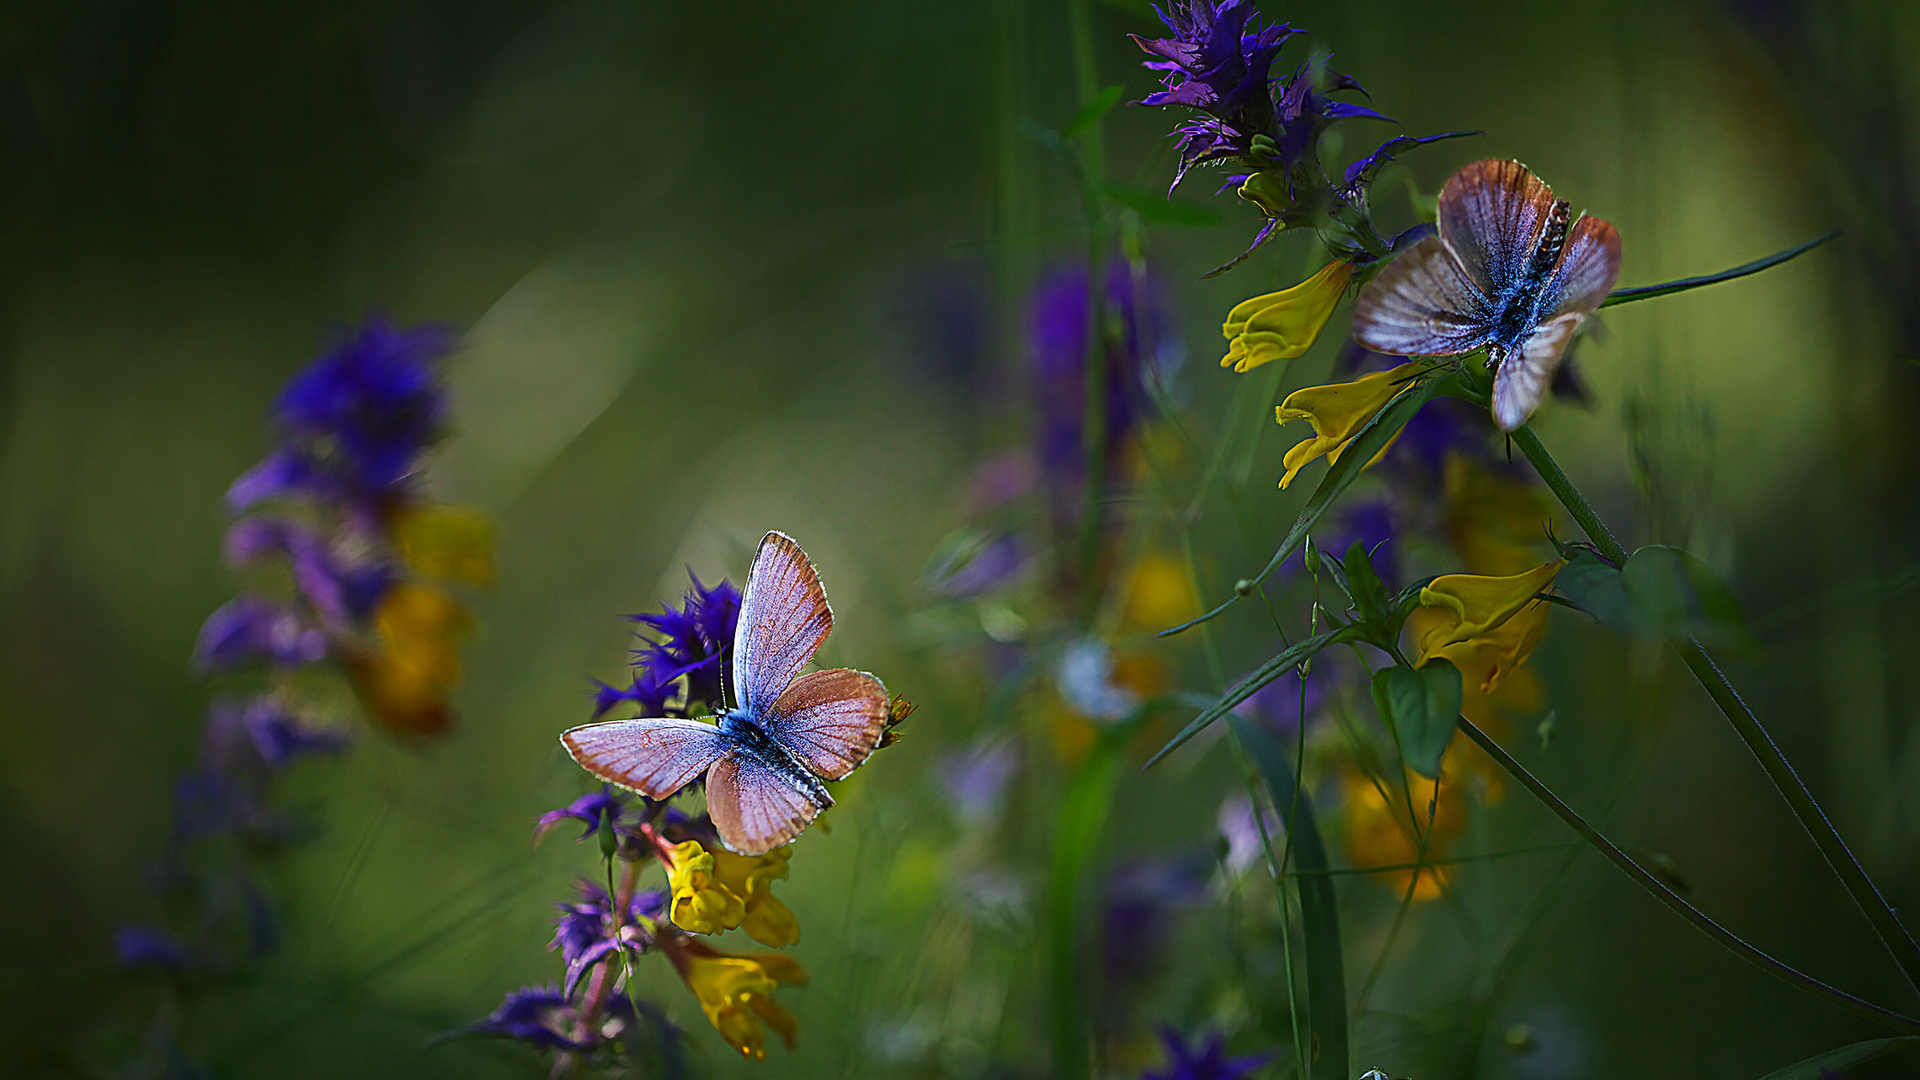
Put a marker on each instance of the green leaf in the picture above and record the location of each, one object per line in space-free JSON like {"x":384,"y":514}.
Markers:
{"x":1158,"y":209}
{"x":1679,"y":596}
{"x":1090,"y":113}
{"x":1369,"y":593}
{"x":1373,"y":436}
{"x":1593,"y":586}
{"x":1648,"y":292}
{"x":1291,"y":658}
{"x":1319,"y":905}
{"x":1845,"y":1056}
{"x":1419,"y":705}
{"x":1081,"y":822}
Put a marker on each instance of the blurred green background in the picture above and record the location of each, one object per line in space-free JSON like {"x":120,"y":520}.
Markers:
{"x":726,"y":268}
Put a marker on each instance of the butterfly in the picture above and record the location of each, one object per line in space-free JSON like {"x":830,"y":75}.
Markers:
{"x":766,"y":759}
{"x":1509,"y":272}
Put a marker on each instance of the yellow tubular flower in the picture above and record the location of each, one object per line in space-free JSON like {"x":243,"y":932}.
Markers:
{"x":1283,"y":325}
{"x":1337,"y":412}
{"x":1486,"y":626}
{"x":766,"y":919}
{"x":1497,"y":523}
{"x":1378,"y":833}
{"x":736,"y":993}
{"x":405,"y":680}
{"x":700,"y":902}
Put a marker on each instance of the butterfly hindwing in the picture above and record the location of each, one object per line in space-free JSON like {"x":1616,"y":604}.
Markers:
{"x":1588,"y":268}
{"x":754,"y":808}
{"x":1527,"y":371}
{"x":1492,"y":213}
{"x":784,"y":617}
{"x":831,"y":720}
{"x":654,"y":757}
{"x":1423,"y":303}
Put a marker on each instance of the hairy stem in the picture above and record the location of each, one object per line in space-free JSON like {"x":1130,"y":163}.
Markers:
{"x":1747,"y":725}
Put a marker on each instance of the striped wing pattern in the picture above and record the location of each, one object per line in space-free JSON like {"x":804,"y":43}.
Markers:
{"x":653,"y":757}
{"x":753,"y":807}
{"x":831,"y":720}
{"x":784,"y":618}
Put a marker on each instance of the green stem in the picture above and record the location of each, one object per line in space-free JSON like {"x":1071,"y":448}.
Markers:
{"x":1732,"y":942}
{"x":1845,"y":865}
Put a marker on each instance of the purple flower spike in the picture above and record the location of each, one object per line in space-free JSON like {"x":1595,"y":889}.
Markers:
{"x":280,"y":735}
{"x":1205,"y":1061}
{"x":144,"y":946}
{"x":1217,"y":61}
{"x":696,"y":641}
{"x":583,"y":934}
{"x":536,"y":1014}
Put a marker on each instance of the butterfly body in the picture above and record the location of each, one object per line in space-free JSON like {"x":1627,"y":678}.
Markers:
{"x":765,"y":760}
{"x":1510,"y":271}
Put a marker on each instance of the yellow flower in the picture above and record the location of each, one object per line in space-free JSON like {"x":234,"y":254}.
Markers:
{"x":1283,"y":325}
{"x":405,"y":679}
{"x":766,"y":919}
{"x":700,"y":902}
{"x":1486,"y":626}
{"x":1337,"y":413}
{"x":1379,"y":833}
{"x":1160,"y":594}
{"x":736,"y":993}
{"x":451,"y":543}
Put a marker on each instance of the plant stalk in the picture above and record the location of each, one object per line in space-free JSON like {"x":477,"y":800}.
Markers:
{"x":1886,"y":924}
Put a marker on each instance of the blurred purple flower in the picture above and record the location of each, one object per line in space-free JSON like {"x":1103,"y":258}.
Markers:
{"x":355,"y":420}
{"x":145,"y":946}
{"x":542,"y":1016}
{"x":589,"y":809}
{"x":1206,"y":1060}
{"x":1370,"y":522}
{"x":584,"y":934}
{"x":1141,"y":900}
{"x":250,"y":628}
{"x":980,"y":567}
{"x":976,"y":780}
{"x":344,"y":591}
{"x":696,"y":641}
{"x":264,"y":731}
{"x":1242,"y":834}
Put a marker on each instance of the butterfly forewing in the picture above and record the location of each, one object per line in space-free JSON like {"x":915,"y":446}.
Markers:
{"x":1423,"y":303}
{"x":1588,"y":268}
{"x":1491,"y":215}
{"x":653,"y":757}
{"x":1526,"y":372}
{"x":783,"y":619}
{"x":831,"y":720}
{"x":753,"y":807}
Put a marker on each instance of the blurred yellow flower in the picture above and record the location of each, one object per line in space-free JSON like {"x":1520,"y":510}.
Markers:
{"x":1160,"y":594}
{"x":405,"y":678}
{"x":1337,"y":413}
{"x":1497,"y":523}
{"x":451,"y":543}
{"x":736,"y":993}
{"x":1380,"y":834}
{"x":1283,"y":325}
{"x":767,"y":920}
{"x":701,"y":903}
{"x":1486,"y":626}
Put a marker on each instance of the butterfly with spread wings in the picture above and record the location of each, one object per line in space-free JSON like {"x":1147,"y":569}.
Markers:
{"x":1509,"y":272}
{"x":766,"y":759}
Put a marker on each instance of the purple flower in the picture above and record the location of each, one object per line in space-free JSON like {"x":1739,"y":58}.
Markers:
{"x":584,"y":935}
{"x":1141,"y":900}
{"x":345,"y":591}
{"x":589,"y":809}
{"x":542,"y":1016}
{"x":1217,"y":61}
{"x":647,"y":690}
{"x":251,"y":628}
{"x":1206,"y":1060}
{"x":1057,"y":329}
{"x":976,"y":780}
{"x":145,"y":946}
{"x":1372,"y":523}
{"x":695,"y":642}
{"x":355,"y":420}
{"x":280,"y":735}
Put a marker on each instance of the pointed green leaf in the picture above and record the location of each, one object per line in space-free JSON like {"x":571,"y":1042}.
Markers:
{"x":1369,"y":593}
{"x":1297,"y":654}
{"x":1679,"y":595}
{"x":1648,"y":292}
{"x":1420,"y":706}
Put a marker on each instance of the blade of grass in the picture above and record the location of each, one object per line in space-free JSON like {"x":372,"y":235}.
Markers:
{"x":1319,"y":907}
{"x":1273,"y":669}
{"x":1077,"y":831}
